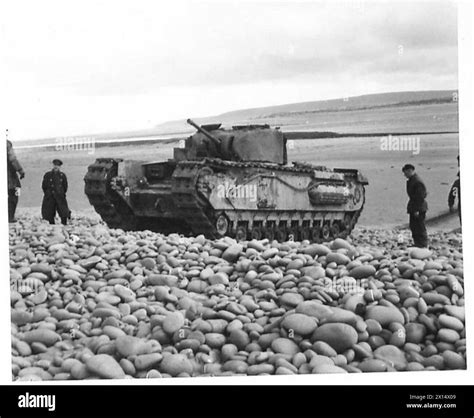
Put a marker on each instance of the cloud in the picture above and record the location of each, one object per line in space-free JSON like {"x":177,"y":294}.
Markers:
{"x":129,"y":49}
{"x":211,"y":43}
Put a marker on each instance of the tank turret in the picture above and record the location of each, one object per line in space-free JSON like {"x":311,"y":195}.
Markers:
{"x":241,"y":143}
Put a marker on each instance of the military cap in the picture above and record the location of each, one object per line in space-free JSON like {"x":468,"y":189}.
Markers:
{"x":408,"y":167}
{"x":57,"y":162}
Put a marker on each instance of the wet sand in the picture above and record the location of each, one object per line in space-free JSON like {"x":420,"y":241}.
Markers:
{"x":385,"y":195}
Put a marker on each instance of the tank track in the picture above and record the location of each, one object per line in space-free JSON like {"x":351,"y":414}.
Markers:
{"x":185,"y":195}
{"x":111,"y":208}
{"x":199,"y":216}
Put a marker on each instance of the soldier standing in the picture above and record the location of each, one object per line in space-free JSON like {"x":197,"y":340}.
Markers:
{"x":55,"y":188}
{"x":454,"y":193}
{"x":417,"y":205}
{"x":14,"y":169}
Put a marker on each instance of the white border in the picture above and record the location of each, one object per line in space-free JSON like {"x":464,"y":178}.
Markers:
{"x":465,"y":22}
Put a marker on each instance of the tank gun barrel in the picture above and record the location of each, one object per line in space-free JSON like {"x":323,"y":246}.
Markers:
{"x":204,"y":132}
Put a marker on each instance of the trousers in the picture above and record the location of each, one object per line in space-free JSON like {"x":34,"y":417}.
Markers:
{"x":418,"y":229}
{"x":51,"y":205}
{"x":12,"y":204}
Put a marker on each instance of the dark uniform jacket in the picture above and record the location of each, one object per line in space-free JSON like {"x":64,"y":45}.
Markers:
{"x":54,"y":184}
{"x":416,"y":190}
{"x":13,"y":167}
{"x":455,"y":192}
{"x":54,"y":188}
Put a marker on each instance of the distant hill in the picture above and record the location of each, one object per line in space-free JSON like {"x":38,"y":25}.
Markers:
{"x":413,"y":111}
{"x":342,"y":104}
{"x":282,"y":115}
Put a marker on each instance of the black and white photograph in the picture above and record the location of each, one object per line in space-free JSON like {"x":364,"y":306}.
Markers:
{"x":203,"y":189}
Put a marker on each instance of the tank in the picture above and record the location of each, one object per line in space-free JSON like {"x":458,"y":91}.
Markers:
{"x":228,"y":182}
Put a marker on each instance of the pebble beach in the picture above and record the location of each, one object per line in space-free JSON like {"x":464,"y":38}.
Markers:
{"x":89,"y":302}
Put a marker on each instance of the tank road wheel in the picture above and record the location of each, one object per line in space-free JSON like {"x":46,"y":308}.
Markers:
{"x":305,"y":233}
{"x":241,"y":233}
{"x":269,"y":233}
{"x":316,"y":234}
{"x":326,"y":232}
{"x":256,"y":233}
{"x":222,"y":224}
{"x":335,"y":230}
{"x":347,"y":223}
{"x":345,"y":228}
{"x":280,"y":234}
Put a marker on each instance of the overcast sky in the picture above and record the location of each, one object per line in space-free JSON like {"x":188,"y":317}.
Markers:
{"x":96,"y":66}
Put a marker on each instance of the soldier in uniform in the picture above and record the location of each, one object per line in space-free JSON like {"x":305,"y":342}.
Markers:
{"x":417,"y":205}
{"x":14,"y":171}
{"x":55,"y":188}
{"x":454,"y":193}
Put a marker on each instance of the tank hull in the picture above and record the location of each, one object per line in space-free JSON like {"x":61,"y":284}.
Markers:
{"x":216,"y":197}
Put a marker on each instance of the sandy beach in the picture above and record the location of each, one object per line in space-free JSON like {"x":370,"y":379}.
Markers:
{"x":385,"y":195}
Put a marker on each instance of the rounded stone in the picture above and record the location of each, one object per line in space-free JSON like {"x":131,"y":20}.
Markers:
{"x":315,"y":272}
{"x":128,"y":345}
{"x":392,"y":355}
{"x":228,"y":351}
{"x":126,"y":294}
{"x":147,"y":361}
{"x":339,"y":243}
{"x":175,"y":364}
{"x":232,"y":253}
{"x":415,"y":332}
{"x":420,"y":253}
{"x":328,"y":369}
{"x":338,"y":258}
{"x":173,"y":322}
{"x":239,"y":338}
{"x":197,"y":286}
{"x":339,"y":336}
{"x":215,"y":340}
{"x":291,"y":299}
{"x":301,"y":324}
{"x":448,"y":335}
{"x":105,"y":366}
{"x":315,"y":309}
{"x":361,"y":272}
{"x":318,"y":360}
{"x":324,"y":349}
{"x":316,"y":250}
{"x":219,"y":278}
{"x":373,"y":365}
{"x":385,"y":315}
{"x":453,"y":360}
{"x":284,"y":346}
{"x":373,"y":326}
{"x":456,"y":311}
{"x":235,"y":366}
{"x":41,"y":335}
{"x":447,"y":321}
